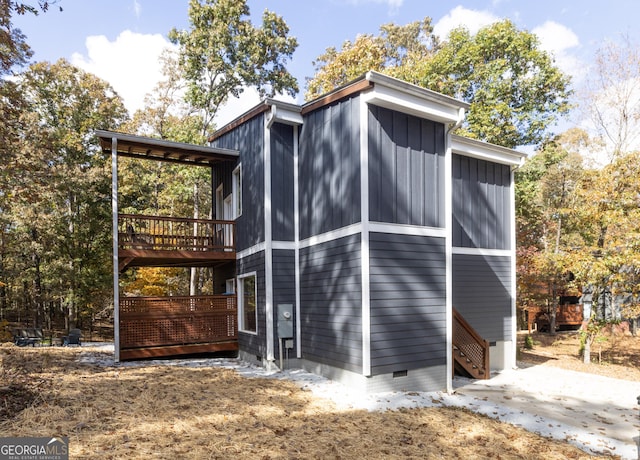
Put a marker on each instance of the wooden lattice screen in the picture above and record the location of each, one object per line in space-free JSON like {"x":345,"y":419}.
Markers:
{"x":167,"y":321}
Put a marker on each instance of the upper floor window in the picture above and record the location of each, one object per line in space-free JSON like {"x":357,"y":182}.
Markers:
{"x":237,"y":191}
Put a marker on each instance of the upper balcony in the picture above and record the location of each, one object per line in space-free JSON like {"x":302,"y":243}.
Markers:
{"x":173,"y":242}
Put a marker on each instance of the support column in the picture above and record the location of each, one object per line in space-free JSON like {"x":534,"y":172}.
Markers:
{"x":116,"y":271}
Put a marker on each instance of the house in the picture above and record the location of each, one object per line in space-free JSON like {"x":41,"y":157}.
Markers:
{"x":362,"y":224}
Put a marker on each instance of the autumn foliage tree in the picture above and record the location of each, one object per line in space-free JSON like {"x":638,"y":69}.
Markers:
{"x":514,"y":88}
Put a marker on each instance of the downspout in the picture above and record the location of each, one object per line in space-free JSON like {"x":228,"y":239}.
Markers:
{"x":448,"y":171}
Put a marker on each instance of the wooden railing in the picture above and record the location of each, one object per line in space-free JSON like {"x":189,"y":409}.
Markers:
{"x":169,"y":321}
{"x":174,"y":233}
{"x":470,"y":351}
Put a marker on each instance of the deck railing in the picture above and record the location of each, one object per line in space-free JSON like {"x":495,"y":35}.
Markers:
{"x":175,"y":233}
{"x":470,"y":350}
{"x":170,"y":321}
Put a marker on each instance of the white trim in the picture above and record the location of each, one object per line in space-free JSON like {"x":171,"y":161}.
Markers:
{"x":268,"y":249}
{"x":483,"y":252}
{"x":485,"y":151}
{"x":240,"y":297}
{"x":296,"y":231}
{"x":392,"y":98}
{"x":284,"y":245}
{"x":404,"y":229}
{"x":448,"y":212}
{"x":255,"y":249}
{"x":349,"y":230}
{"x":510,"y":360}
{"x":116,"y":261}
{"x":364,"y":240}
{"x":236,"y":200}
{"x":219,"y":202}
{"x":283,"y":113}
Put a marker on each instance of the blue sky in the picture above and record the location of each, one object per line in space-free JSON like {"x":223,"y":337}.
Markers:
{"x":119,"y":40}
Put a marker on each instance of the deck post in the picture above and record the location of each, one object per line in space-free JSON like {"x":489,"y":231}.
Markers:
{"x":116,"y":272}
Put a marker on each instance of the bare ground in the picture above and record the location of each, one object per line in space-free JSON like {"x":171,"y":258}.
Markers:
{"x":199,"y":413}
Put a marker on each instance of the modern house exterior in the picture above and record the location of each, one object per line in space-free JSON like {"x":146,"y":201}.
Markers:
{"x":364,"y":231}
{"x":361,"y":222}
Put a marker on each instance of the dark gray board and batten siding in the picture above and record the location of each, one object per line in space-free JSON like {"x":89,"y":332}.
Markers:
{"x":481,"y":204}
{"x":482,"y":219}
{"x":408,"y":302}
{"x":282,"y":205}
{"x":406,"y":169}
{"x":329,"y":168}
{"x":331,"y":297}
{"x":248,"y":139}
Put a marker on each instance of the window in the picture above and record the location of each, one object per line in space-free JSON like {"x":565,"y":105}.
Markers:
{"x":247,"y":303}
{"x":237,"y":191}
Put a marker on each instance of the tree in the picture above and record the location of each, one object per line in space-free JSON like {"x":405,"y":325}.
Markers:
{"x":514,"y":89}
{"x":158,"y":188}
{"x":397,"y":48}
{"x":547,"y":194}
{"x":60,"y":200}
{"x":223,"y":52}
{"x":612,"y":97}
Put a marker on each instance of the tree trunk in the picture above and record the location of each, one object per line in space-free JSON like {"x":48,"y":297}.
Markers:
{"x":553,"y":312}
{"x":586,"y":357}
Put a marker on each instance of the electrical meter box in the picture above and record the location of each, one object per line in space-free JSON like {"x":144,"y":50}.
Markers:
{"x":285,"y":321}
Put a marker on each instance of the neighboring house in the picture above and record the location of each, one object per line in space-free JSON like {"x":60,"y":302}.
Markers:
{"x":361,"y":223}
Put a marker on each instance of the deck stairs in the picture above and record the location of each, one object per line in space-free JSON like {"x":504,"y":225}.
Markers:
{"x":470,"y":350}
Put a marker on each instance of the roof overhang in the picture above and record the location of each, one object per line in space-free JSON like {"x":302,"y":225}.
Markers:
{"x":407,"y":98}
{"x":485,"y":151}
{"x":129,"y":145}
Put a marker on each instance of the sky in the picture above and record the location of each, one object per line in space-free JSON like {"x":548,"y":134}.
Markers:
{"x":120,"y":40}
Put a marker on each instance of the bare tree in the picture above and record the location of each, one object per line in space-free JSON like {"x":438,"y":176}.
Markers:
{"x":612,"y":96}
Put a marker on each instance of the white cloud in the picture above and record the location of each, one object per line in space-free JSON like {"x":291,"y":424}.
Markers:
{"x":473,"y":20}
{"x":130,"y":63}
{"x":558,"y":40}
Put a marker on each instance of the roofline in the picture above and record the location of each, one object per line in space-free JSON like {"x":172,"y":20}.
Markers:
{"x":415,"y":90}
{"x":484,"y":150}
{"x":163,"y":150}
{"x":163,"y":143}
{"x":263,"y":106}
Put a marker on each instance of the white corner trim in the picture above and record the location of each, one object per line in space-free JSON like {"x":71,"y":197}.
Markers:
{"x":268,"y":234}
{"x":364,"y":240}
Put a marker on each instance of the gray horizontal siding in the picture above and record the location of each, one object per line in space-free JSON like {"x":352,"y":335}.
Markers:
{"x":329,"y":168}
{"x":482,"y":294}
{"x":250,"y":343}
{"x":408,"y":302}
{"x":282,"y":205}
{"x":481,"y":204}
{"x":284,"y":286}
{"x":406,"y":169}
{"x":248,"y":139}
{"x":331,"y":303}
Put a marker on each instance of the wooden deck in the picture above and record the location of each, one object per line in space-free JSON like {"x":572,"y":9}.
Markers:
{"x":172,"y":326}
{"x":173,"y":242}
{"x":538,"y":318}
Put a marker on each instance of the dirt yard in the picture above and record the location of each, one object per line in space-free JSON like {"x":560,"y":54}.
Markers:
{"x":213,"y":413}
